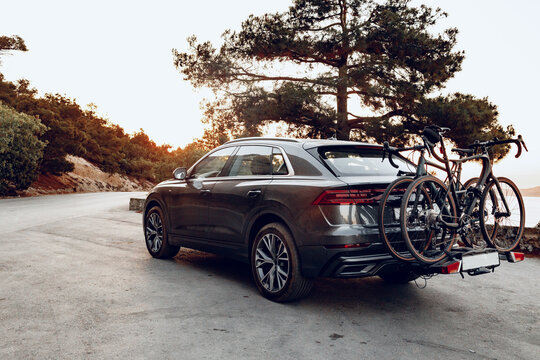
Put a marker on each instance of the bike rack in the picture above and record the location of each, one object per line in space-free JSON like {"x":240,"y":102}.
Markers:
{"x":482,"y":262}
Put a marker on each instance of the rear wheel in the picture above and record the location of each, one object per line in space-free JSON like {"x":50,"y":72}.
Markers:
{"x":388,"y":219}
{"x":156,"y":236}
{"x":425,"y":205}
{"x":472,"y":233}
{"x":501,"y":226}
{"x":275,"y":265}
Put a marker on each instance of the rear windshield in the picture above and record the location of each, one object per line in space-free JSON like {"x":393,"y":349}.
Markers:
{"x":362,"y":161}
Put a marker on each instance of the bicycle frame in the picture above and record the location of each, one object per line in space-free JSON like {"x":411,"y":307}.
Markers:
{"x":486,"y":175}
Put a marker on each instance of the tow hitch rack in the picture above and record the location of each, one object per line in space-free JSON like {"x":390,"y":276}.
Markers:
{"x":468,"y":260}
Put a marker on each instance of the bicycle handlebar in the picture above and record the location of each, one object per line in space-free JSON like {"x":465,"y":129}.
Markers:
{"x":436,"y":132}
{"x":519,"y":142}
{"x":394,"y":150}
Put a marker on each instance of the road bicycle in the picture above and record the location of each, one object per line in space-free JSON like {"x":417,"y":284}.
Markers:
{"x":433,"y":212}
{"x":390,"y":203}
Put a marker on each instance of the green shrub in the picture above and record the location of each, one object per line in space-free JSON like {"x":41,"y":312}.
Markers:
{"x":21,"y":150}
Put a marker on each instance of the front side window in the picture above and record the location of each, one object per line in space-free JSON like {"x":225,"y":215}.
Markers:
{"x":252,"y":160}
{"x":213,"y":164}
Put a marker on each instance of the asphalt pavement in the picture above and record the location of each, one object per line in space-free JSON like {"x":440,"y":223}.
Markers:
{"x":76,"y":281}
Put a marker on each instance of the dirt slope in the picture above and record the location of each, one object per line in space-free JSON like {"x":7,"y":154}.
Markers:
{"x":85,"y":177}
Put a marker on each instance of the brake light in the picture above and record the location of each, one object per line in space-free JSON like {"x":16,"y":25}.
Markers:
{"x":345,"y":197}
{"x":453,"y":268}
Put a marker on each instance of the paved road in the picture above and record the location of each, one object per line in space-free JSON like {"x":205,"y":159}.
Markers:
{"x":77,"y":282}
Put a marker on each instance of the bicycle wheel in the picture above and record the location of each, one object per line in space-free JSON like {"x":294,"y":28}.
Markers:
{"x":425,"y":203}
{"x":501,"y":228}
{"x":388,"y":219}
{"x":472,"y":235}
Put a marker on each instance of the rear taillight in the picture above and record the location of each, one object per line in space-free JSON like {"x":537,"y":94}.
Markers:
{"x":345,"y":197}
{"x":452,"y":268}
{"x":515,"y":256}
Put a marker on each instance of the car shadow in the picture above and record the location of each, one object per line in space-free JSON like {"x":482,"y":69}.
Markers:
{"x":371,"y":292}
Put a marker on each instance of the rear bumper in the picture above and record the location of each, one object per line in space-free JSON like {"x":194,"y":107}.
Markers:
{"x":319,"y":261}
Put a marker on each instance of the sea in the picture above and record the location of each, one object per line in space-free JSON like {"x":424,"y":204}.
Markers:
{"x":532,"y":210}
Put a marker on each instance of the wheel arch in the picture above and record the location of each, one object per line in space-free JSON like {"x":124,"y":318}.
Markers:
{"x":260,"y":221}
{"x":155,"y":201}
{"x":150,"y":204}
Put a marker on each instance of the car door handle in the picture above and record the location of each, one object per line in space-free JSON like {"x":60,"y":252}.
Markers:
{"x":205,"y":192}
{"x":254,"y":193}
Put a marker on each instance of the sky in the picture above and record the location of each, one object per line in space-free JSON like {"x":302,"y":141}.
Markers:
{"x":117,"y":55}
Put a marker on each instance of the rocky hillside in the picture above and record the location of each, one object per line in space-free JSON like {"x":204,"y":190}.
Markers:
{"x":85,"y":177}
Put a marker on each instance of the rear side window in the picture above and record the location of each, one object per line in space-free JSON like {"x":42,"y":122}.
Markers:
{"x":279,"y":166}
{"x":361,"y":161}
{"x":252,"y":160}
{"x":213,"y":164}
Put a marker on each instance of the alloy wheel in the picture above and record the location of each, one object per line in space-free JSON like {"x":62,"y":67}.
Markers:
{"x":272,"y":263}
{"x":154,"y":232}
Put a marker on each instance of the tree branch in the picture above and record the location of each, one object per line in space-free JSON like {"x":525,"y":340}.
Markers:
{"x":365,"y":93}
{"x":240,"y":76}
{"x":323,"y":28}
{"x":326,"y":93}
{"x":356,"y":121}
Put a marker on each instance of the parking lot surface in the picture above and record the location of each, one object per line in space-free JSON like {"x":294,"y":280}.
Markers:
{"x":77,"y":282}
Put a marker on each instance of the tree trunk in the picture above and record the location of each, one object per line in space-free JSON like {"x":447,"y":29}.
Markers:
{"x":342,"y":127}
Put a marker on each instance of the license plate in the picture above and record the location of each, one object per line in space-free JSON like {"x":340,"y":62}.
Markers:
{"x":475,"y":261}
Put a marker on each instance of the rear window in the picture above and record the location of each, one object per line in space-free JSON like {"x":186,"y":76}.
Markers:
{"x":361,"y":161}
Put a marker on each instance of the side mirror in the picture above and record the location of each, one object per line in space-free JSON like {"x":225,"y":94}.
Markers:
{"x":179,"y":173}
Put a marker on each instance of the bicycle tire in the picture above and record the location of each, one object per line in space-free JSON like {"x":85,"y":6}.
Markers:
{"x":427,"y":239}
{"x":388,"y":219}
{"x":502,"y":232}
{"x":474,"y":237}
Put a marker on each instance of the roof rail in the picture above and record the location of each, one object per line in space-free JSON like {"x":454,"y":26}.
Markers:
{"x":262,"y":139}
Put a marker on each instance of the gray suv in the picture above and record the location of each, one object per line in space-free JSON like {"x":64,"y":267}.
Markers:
{"x":293,"y":209}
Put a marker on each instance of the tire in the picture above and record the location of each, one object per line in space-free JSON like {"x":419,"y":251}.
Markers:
{"x":275,"y":265}
{"x":472,"y":237}
{"x":388,"y":219}
{"x":502,"y":232}
{"x":399,"y":277}
{"x":156,"y":236}
{"x":425,"y":236}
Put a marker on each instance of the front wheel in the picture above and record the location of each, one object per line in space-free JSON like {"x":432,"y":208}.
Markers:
{"x":275,"y":265}
{"x":156,"y":236}
{"x":502,"y":226}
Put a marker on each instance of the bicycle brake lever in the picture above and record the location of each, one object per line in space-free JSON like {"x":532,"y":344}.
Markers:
{"x":519,"y":149}
{"x":519,"y":143}
{"x":520,"y":138}
{"x":392,"y":161}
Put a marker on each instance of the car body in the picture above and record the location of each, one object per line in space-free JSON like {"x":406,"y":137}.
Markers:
{"x":315,"y":201}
